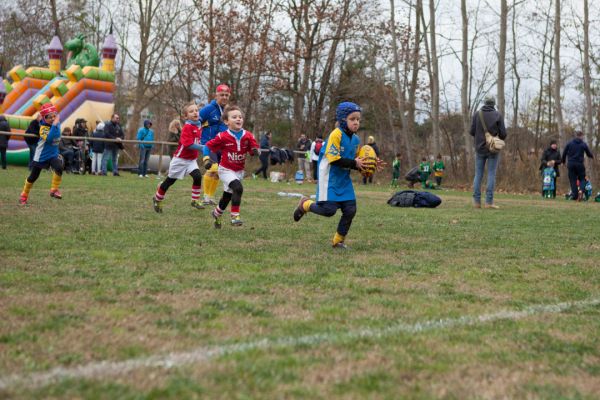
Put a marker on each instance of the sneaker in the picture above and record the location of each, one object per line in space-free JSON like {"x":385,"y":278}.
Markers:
{"x":196,"y":204}
{"x":341,"y":246}
{"x":56,"y":194}
{"x":117,"y":174}
{"x":476,"y":205}
{"x":492,"y":206}
{"x":23,"y":200}
{"x":253,"y":176}
{"x":157,"y":205}
{"x":236,"y":221}
{"x":218,"y":219}
{"x":146,"y":176}
{"x":140,"y":176}
{"x":299,"y":211}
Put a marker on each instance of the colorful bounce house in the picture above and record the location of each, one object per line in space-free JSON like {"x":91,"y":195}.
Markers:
{"x":82,"y":90}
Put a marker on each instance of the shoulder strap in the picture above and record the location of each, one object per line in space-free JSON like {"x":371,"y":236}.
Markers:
{"x":482,"y":120}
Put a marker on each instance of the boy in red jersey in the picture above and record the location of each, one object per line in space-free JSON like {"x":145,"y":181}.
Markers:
{"x":184,"y":160}
{"x":234,"y":144}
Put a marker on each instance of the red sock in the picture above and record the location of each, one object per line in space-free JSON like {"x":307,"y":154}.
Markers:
{"x":235,"y":210}
{"x":160,"y":194}
{"x":195,"y":192}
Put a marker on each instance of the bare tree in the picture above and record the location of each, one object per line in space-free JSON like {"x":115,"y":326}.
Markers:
{"x":435,"y":80}
{"x":502,"y":56}
{"x":464,"y":88}
{"x":557,"y":73}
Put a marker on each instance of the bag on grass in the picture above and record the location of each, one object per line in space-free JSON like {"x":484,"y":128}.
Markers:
{"x":411,"y":198}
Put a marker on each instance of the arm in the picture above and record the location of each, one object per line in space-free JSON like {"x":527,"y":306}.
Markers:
{"x":140,"y":134}
{"x":253,"y":145}
{"x":564,"y":156}
{"x":332,"y":152}
{"x":588,"y":152}
{"x":473,"y":125}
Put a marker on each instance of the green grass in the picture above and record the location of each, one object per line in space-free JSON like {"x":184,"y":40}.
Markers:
{"x":100,"y":276}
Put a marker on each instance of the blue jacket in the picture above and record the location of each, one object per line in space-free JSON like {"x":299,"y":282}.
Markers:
{"x":147,"y":135}
{"x":210,"y":115}
{"x":574,"y":151}
{"x":47,"y":147}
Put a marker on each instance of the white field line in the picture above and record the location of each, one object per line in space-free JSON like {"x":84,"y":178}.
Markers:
{"x":105,"y":369}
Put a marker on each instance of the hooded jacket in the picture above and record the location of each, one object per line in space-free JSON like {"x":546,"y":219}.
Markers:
{"x":574,"y":151}
{"x":145,"y":134}
{"x":494,"y":123}
{"x":549,"y":155}
{"x":4,"y":127}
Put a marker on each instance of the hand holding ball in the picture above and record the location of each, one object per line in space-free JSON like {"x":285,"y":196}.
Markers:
{"x":368,"y":160}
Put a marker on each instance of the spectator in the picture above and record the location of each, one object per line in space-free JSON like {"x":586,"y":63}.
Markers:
{"x":303,"y":146}
{"x":575,"y":152}
{"x":265,"y":145}
{"x":315,"y":150}
{"x":494,"y":122}
{"x":32,"y":142}
{"x":174,"y":135}
{"x":145,"y":134}
{"x":552,"y":153}
{"x":371,"y":142}
{"x":112,"y":130}
{"x":97,"y":149}
{"x":4,"y":127}
{"x":69,"y":150}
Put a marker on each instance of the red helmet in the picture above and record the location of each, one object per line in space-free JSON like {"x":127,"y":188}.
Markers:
{"x":48,"y":108}
{"x":223,"y":88}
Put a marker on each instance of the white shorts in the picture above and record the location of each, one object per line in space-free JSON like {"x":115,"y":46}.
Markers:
{"x":180,"y":167}
{"x":227,"y":176}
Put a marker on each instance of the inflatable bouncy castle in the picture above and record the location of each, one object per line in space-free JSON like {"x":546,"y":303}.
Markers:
{"x":83,"y":90}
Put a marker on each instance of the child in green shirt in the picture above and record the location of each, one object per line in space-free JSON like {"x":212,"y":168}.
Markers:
{"x":396,"y":171}
{"x":425,"y":171}
{"x":438,"y":170}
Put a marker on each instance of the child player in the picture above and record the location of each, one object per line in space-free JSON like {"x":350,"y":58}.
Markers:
{"x":184,"y":160}
{"x":548,"y":180}
{"x":438,"y":170}
{"x":46,"y":153}
{"x":425,"y":171}
{"x":396,"y":171}
{"x":233,"y":144}
{"x":338,"y":156}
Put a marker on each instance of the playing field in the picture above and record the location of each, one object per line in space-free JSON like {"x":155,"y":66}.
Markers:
{"x":100,"y":297}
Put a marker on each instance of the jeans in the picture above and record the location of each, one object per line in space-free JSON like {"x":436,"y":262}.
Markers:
{"x":96,"y":162}
{"x":304,"y":166}
{"x":113,"y":154}
{"x":480,"y":160}
{"x":264,"y":164}
{"x":144,"y":156}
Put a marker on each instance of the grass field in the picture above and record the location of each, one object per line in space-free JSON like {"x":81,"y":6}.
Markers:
{"x":269,"y":310}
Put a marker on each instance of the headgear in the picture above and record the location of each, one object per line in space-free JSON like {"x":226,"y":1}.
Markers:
{"x":223,"y":88}
{"x":343,"y":110}
{"x":48,"y":108}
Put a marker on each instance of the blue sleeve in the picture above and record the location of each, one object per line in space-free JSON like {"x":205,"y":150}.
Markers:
{"x":198,"y":147}
{"x":139,"y":134}
{"x":54,"y":133}
{"x":205,"y":112}
{"x":205,"y":151}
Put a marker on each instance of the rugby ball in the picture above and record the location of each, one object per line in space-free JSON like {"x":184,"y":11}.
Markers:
{"x":368,"y":154}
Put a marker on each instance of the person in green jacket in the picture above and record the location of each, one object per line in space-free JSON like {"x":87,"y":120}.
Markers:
{"x":396,"y":170}
{"x":438,"y":170}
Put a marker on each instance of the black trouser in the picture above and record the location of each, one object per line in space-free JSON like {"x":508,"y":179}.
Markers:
{"x":329,"y":208}
{"x":264,"y":164}
{"x":315,"y":170}
{"x":3,"y":156}
{"x":438,"y":180}
{"x":235,"y":197}
{"x":576,"y":172}
{"x":195,"y":174}
{"x":56,"y":164}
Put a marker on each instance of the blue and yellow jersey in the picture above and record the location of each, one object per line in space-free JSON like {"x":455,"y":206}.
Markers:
{"x":335,"y":183}
{"x":212,"y":125}
{"x":47,"y":146}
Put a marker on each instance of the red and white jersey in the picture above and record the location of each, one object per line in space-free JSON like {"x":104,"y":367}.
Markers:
{"x":233,"y":151}
{"x":190,"y":134}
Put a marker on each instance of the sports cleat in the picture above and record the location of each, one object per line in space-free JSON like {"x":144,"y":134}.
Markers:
{"x":56,"y":194}
{"x":23,"y":200}
{"x":209,"y":202}
{"x":157,"y":205}
{"x":217,"y":220}
{"x":236,"y":221}
{"x":299,"y":211}
{"x":198,"y":205}
{"x":340,"y":246}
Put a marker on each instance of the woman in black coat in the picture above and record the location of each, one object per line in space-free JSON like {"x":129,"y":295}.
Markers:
{"x":552,"y":153}
{"x":4,"y":127}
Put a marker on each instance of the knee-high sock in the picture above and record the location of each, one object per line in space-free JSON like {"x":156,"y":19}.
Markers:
{"x":56,"y":179}
{"x":337,"y":238}
{"x":26,"y":188}
{"x":210,"y":185}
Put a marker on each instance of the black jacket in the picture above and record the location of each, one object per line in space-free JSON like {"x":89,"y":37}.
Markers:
{"x":4,"y":127}
{"x":549,"y":155}
{"x":113,"y":131}
{"x":574,"y":151}
{"x":375,"y":148}
{"x":494,"y":123}
{"x":98,"y":146}
{"x":34,"y":128}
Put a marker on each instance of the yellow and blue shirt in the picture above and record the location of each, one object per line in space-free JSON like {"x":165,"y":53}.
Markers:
{"x":47,"y":146}
{"x":335,"y":183}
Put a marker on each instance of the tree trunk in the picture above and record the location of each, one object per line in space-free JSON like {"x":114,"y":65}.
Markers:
{"x":502,"y":57}
{"x":435,"y":81}
{"x":587,"y":91}
{"x":464,"y":88}
{"x":517,"y":77}
{"x":557,"y":74}
{"x":414,"y":82}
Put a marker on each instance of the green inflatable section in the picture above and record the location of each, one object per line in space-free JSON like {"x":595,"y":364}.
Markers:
{"x":18,"y":157}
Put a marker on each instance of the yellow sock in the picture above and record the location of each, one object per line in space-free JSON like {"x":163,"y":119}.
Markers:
{"x":56,"y":179}
{"x":27,"y":188}
{"x":306,"y":205}
{"x":211,"y":187}
{"x":337,"y":238}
